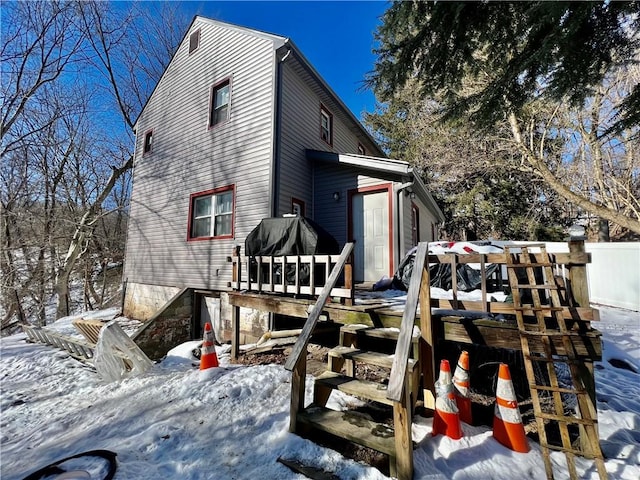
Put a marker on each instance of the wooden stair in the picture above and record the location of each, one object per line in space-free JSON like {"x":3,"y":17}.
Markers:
{"x":342,"y":375}
{"x":396,"y":392}
{"x":550,"y":323}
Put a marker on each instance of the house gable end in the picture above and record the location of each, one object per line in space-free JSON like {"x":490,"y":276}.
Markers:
{"x":184,"y":47}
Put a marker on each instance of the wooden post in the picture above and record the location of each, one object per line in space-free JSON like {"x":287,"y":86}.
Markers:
{"x":402,"y":430}
{"x":578,"y":276}
{"x":235,"y":332}
{"x":348,"y":280}
{"x":427,"y":340}
{"x":235,"y":267}
{"x":298,"y":378}
{"x":454,"y":280}
{"x":580,"y":295}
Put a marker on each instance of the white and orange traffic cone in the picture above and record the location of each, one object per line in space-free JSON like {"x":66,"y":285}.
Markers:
{"x":461,"y":387}
{"x":208,"y":356}
{"x":446,"y":419}
{"x":507,"y":422}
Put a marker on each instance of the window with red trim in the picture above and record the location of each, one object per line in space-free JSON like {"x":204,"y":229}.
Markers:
{"x":326,"y":125}
{"x":211,"y":213}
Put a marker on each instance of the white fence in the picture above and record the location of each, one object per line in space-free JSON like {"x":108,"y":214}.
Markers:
{"x":613,"y":274}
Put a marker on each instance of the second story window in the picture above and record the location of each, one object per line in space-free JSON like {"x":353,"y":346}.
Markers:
{"x":220,"y":99}
{"x":148,"y":142}
{"x":211,"y":214}
{"x":326,"y":125}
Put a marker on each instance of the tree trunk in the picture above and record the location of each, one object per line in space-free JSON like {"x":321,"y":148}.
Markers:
{"x":62,"y":289}
{"x":556,"y":184}
{"x":603,"y":230}
{"x":81,"y":238}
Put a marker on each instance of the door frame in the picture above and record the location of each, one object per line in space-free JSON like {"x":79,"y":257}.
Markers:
{"x":383,"y":187}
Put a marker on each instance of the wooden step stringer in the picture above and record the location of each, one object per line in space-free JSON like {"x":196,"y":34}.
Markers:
{"x":541,"y":331}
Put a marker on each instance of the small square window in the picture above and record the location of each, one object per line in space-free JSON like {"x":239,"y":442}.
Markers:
{"x":220,"y":100}
{"x":326,"y":125}
{"x":194,"y":41}
{"x":361,"y":150}
{"x":148,"y":142}
{"x":211,"y":214}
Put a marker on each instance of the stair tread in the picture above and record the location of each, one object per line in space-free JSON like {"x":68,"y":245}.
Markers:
{"x":350,"y":425}
{"x":353,"y":386}
{"x":372,"y":358}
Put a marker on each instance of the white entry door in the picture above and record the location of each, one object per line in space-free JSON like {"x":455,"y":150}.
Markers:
{"x":370,"y":228}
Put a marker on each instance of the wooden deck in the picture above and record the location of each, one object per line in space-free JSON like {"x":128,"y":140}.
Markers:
{"x":491,"y":324}
{"x":456,"y":325}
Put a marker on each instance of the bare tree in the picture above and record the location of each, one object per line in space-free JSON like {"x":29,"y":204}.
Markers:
{"x":591,"y":166}
{"x":65,"y":163}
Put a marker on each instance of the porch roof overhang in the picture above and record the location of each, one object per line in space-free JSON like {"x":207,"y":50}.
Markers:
{"x":397,"y":169}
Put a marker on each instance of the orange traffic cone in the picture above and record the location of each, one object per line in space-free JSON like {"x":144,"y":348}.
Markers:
{"x":507,"y":423}
{"x":446,"y":419}
{"x":461,"y":387}
{"x":208,"y":356}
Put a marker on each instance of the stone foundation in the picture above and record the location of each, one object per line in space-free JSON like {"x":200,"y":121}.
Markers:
{"x":169,"y":328}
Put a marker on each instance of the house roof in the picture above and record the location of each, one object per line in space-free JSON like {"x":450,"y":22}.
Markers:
{"x":381,"y":165}
{"x":280,"y":42}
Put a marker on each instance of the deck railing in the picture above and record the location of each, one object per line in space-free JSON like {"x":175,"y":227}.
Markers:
{"x":289,"y":274}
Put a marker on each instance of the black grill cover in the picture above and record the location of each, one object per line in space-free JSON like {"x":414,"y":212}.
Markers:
{"x":290,"y":236}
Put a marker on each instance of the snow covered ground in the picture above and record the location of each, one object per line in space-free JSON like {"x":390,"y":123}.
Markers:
{"x":177,"y":422}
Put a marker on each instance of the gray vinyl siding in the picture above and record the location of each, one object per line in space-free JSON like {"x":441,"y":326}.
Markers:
{"x":332,"y":215}
{"x":300,"y":130}
{"x":189,"y":157}
{"x":426,"y":219}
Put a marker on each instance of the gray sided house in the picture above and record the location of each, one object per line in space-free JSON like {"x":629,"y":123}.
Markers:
{"x":239,"y":128}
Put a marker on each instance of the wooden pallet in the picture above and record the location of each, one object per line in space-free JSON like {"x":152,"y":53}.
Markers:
{"x":90,"y":329}
{"x":549,"y":324}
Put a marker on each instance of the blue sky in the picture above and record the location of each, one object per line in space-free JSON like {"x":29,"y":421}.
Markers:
{"x":335,"y":36}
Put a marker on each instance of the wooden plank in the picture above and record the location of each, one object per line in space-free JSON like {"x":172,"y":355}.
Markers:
{"x":235,"y":332}
{"x":370,"y":358}
{"x":402,"y":428}
{"x":428,"y":339}
{"x":561,"y":258}
{"x":496,"y":334}
{"x":399,"y":368}
{"x":314,"y":315}
{"x":353,"y":426}
{"x":298,"y":378}
{"x":454,"y":280}
{"x":308,"y":471}
{"x":483,"y":283}
{"x":351,"y":386}
{"x":570,"y":313}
